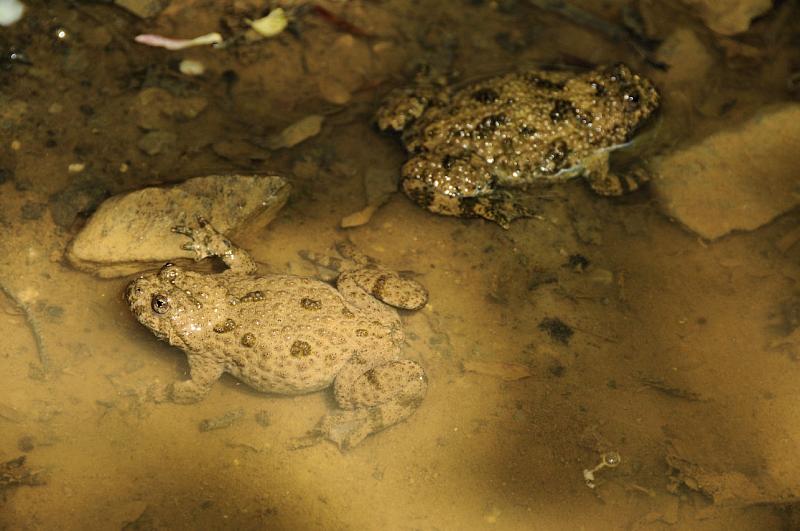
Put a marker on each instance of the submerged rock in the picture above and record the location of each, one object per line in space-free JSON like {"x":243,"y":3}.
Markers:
{"x":156,"y":142}
{"x":688,"y":58}
{"x":82,"y":194}
{"x":736,"y":179}
{"x":143,"y":8}
{"x":729,"y":17}
{"x":156,"y":108}
{"x":130,"y":232}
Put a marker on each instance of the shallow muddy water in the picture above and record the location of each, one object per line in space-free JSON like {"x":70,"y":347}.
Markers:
{"x":599,"y":327}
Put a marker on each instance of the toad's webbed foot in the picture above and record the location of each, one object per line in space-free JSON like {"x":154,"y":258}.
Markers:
{"x":207,"y":241}
{"x":345,"y":429}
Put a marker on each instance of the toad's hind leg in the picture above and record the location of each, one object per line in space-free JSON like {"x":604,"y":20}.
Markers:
{"x":361,"y":279}
{"x":604,"y":182}
{"x":372,"y":400}
{"x":386,"y":286}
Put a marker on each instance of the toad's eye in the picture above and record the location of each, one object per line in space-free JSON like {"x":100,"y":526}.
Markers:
{"x":160,"y":303}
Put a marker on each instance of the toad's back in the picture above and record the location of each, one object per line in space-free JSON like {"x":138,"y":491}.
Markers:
{"x":535,"y":123}
{"x":289,"y":334}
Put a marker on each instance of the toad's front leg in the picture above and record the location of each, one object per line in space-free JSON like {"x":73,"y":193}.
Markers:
{"x":208,"y":241}
{"x":204,"y":372}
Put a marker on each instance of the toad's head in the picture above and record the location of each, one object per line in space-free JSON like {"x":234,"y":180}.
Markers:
{"x":168,"y":303}
{"x":633,"y":97}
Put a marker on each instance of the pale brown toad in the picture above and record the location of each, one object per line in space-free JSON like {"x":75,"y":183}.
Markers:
{"x":288,"y":334}
{"x":469,"y":146}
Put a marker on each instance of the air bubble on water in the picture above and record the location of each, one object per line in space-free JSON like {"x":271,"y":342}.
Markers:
{"x":611,"y":459}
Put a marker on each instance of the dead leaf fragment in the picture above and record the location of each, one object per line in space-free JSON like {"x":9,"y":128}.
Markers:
{"x":356,"y":219}
{"x":272,"y":24}
{"x":299,"y":131}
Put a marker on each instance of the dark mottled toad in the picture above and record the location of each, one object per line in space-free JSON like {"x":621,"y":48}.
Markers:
{"x":468,"y":146}
{"x":288,"y":334}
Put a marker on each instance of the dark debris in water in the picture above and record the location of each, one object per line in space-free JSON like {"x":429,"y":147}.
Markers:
{"x":557,"y":329}
{"x":263,"y":418}
{"x":223,"y":421}
{"x":557,"y":369}
{"x":14,"y":473}
{"x":578,"y":263}
{"x":26,"y":443}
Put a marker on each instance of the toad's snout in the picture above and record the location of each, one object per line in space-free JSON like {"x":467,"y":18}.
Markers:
{"x":129,"y":292}
{"x":133,"y":293}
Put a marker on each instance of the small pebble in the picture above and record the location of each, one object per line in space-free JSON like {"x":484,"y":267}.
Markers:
{"x":333,"y":91}
{"x":299,"y":131}
{"x":271,"y":25}
{"x":190,"y":67}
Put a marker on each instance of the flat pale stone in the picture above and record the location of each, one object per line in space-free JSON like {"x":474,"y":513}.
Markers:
{"x":739,"y":178}
{"x":133,"y":231}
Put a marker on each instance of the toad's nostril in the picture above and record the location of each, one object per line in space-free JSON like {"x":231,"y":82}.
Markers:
{"x":132,"y":291}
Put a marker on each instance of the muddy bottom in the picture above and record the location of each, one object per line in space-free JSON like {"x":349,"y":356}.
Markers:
{"x":596,"y":366}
